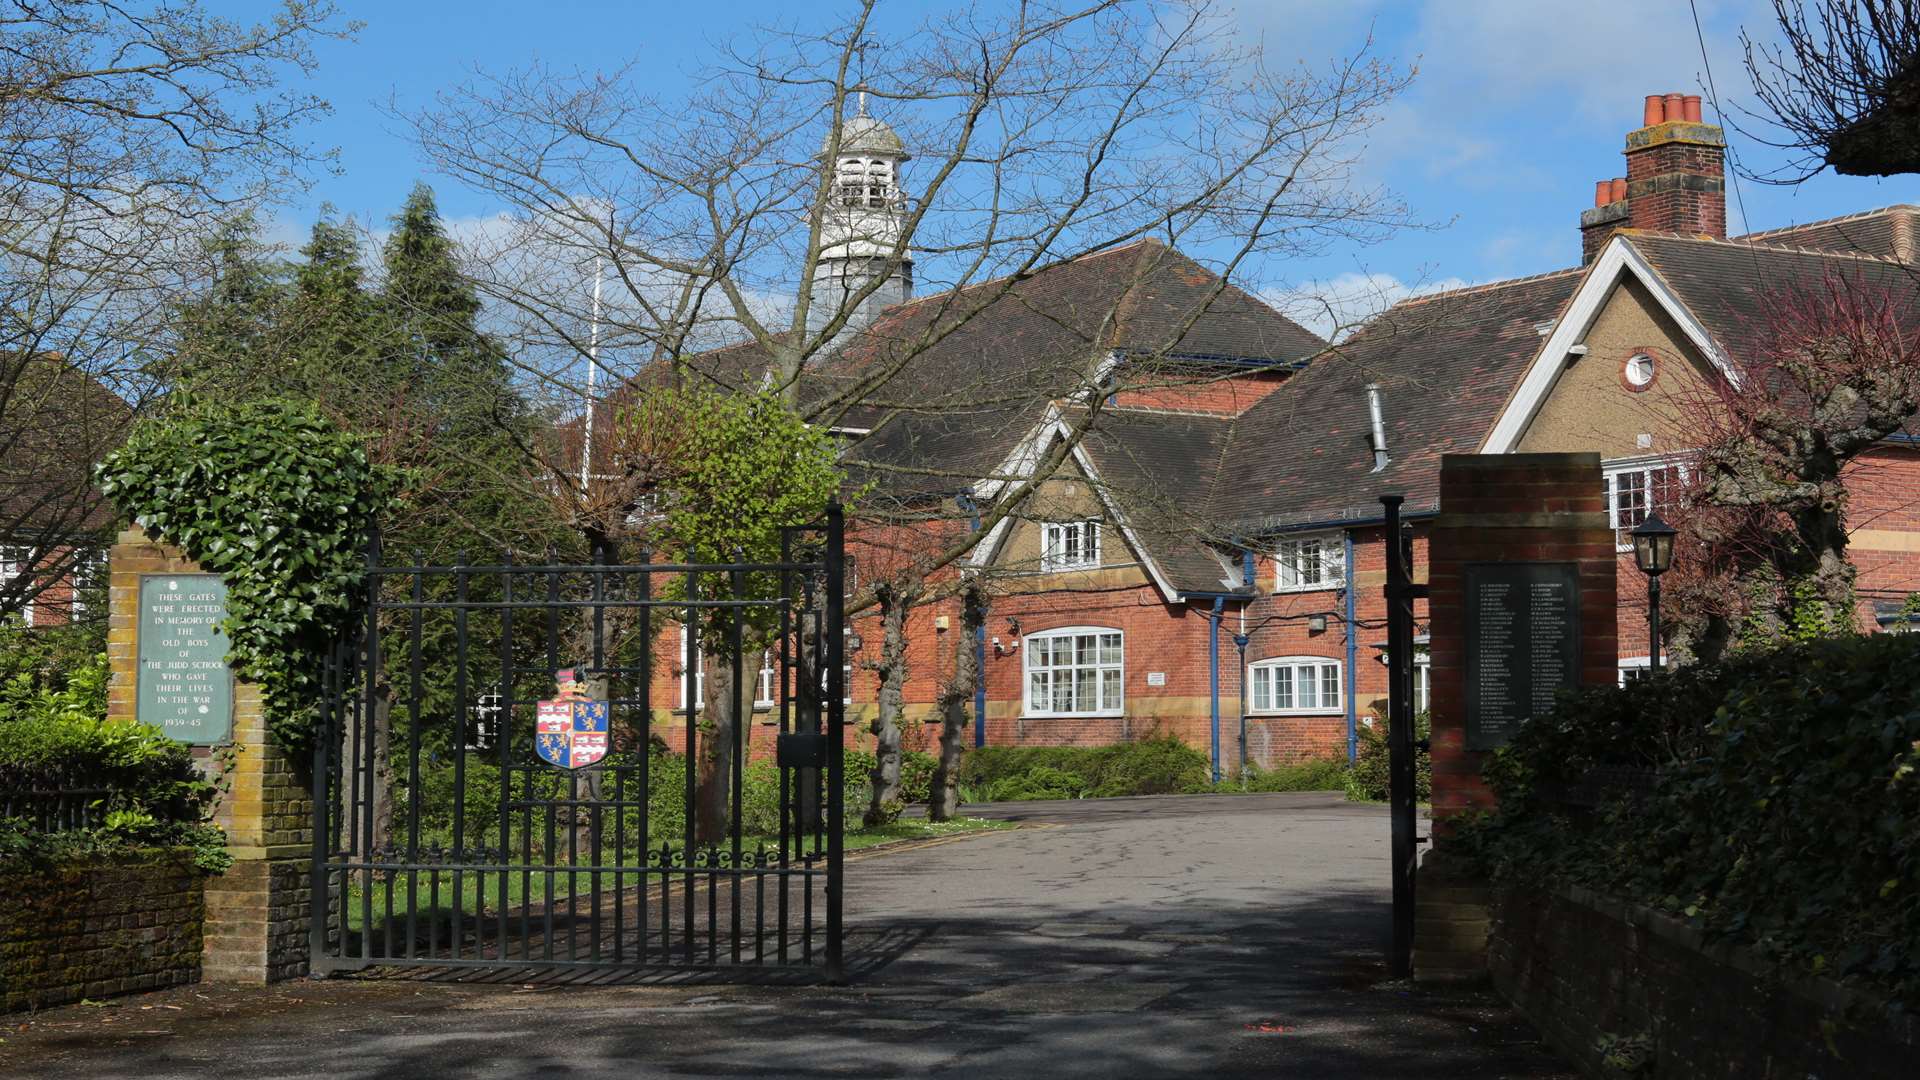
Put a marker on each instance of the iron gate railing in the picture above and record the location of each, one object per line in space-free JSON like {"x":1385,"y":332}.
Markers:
{"x":442,"y":840}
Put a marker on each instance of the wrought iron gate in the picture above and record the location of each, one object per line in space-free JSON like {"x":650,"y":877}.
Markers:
{"x":443,"y":839}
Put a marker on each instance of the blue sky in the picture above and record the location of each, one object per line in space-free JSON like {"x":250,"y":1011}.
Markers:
{"x":1518,"y":107}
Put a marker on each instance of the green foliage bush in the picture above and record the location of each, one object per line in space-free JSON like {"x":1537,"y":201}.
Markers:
{"x":276,"y":499}
{"x":1162,"y":765}
{"x":1784,"y":812}
{"x":1369,"y":781}
{"x":153,"y":795}
{"x":51,"y":672}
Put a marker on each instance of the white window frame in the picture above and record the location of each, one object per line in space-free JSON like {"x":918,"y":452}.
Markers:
{"x":763,"y":691}
{"x":1031,"y":646}
{"x":14,"y":562}
{"x":1422,"y":683}
{"x":1058,"y":537}
{"x":1644,"y":468}
{"x":1322,"y":672}
{"x":89,"y":573}
{"x":1633,"y":668}
{"x":1295,"y":571}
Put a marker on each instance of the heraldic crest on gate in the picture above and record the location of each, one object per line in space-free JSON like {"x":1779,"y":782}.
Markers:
{"x":571,"y":731}
{"x":514,"y":769}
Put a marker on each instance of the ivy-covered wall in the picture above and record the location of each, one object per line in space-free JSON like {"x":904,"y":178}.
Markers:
{"x":1625,"y":991}
{"x":102,"y":927}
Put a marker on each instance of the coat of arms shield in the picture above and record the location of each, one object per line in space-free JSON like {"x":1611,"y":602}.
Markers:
{"x":570,"y":731}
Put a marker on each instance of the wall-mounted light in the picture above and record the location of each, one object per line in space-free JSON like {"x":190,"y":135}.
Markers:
{"x":1316,"y":624}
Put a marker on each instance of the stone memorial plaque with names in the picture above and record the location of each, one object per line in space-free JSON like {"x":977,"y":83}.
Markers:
{"x":1523,"y":644}
{"x":184,"y":687}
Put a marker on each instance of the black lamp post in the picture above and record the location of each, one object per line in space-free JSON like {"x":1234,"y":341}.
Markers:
{"x":1653,"y":550}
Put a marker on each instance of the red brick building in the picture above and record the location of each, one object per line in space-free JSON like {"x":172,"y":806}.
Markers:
{"x":1208,"y":559}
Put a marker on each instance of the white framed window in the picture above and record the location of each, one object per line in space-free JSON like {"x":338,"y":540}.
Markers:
{"x":1638,"y":489}
{"x":89,"y":577}
{"x":13,"y":564}
{"x":1422,"y":683}
{"x":1069,"y":545}
{"x":1633,"y":669}
{"x":1075,"y":671}
{"x":764,"y":687}
{"x":1293,"y":684}
{"x":1309,"y":563}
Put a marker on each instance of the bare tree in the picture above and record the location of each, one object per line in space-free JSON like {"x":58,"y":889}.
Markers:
{"x":125,"y":133}
{"x":1042,"y":134}
{"x":1843,"y":90}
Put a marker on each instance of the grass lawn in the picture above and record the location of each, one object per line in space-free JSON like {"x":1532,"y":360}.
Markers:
{"x":536,"y":886}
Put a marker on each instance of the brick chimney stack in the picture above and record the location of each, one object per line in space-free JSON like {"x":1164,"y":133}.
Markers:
{"x":1676,"y":178}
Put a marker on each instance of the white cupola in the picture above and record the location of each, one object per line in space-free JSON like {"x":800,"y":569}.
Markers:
{"x":864,"y":219}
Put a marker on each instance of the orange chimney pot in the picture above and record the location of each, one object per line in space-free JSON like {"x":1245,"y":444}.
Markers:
{"x":1691,"y":104}
{"x":1656,"y":110}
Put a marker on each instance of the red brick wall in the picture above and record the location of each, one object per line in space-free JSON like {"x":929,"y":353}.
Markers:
{"x":1173,"y":638}
{"x":1214,"y":395}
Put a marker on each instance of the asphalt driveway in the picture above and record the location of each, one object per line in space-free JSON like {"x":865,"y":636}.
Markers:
{"x":1219,"y":936}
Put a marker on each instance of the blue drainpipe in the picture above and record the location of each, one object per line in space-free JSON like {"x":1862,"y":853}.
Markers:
{"x":1353,"y":676}
{"x":1213,"y":679}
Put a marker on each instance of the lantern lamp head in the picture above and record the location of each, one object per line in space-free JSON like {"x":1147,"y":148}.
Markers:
{"x":1653,"y":545}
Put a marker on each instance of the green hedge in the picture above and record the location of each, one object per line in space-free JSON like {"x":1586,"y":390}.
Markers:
{"x":152,"y":796}
{"x":1784,"y":812}
{"x":1162,"y":765}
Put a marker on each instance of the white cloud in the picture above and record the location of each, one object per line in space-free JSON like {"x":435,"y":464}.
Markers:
{"x":1336,"y":307}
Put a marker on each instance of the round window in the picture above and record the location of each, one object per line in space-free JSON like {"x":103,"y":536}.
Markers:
{"x":1639,"y":370}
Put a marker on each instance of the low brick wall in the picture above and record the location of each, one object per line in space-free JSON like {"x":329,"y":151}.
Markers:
{"x":1585,"y":968}
{"x":99,"y":928}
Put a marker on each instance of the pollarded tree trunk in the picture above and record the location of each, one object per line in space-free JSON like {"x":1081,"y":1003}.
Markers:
{"x":943,"y":798}
{"x":883,"y":803}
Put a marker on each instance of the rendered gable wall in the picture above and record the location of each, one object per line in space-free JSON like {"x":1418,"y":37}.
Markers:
{"x":1591,"y":406}
{"x":1067,"y":497}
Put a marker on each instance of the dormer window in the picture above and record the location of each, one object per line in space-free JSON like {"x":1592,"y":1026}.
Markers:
{"x":1069,"y":545}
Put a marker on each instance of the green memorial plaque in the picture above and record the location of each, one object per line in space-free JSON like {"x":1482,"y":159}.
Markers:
{"x":184,"y":687}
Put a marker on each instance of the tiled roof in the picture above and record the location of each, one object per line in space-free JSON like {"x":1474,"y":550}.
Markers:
{"x":975,"y":365}
{"x":1157,"y":466}
{"x":1728,"y":284}
{"x":67,"y":420}
{"x":1887,"y":232}
{"x":1445,"y":365}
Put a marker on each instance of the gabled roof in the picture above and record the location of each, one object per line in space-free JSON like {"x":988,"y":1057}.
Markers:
{"x":1726,"y":284}
{"x":967,"y":372}
{"x":1155,"y":468}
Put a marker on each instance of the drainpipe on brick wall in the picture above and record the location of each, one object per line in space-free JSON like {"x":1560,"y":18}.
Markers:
{"x":1353,"y":676}
{"x":1213,"y":678}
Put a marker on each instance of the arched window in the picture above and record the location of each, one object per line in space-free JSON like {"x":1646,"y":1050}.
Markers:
{"x":1287,"y":685}
{"x":853,"y":181}
{"x":1075,"y":671}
